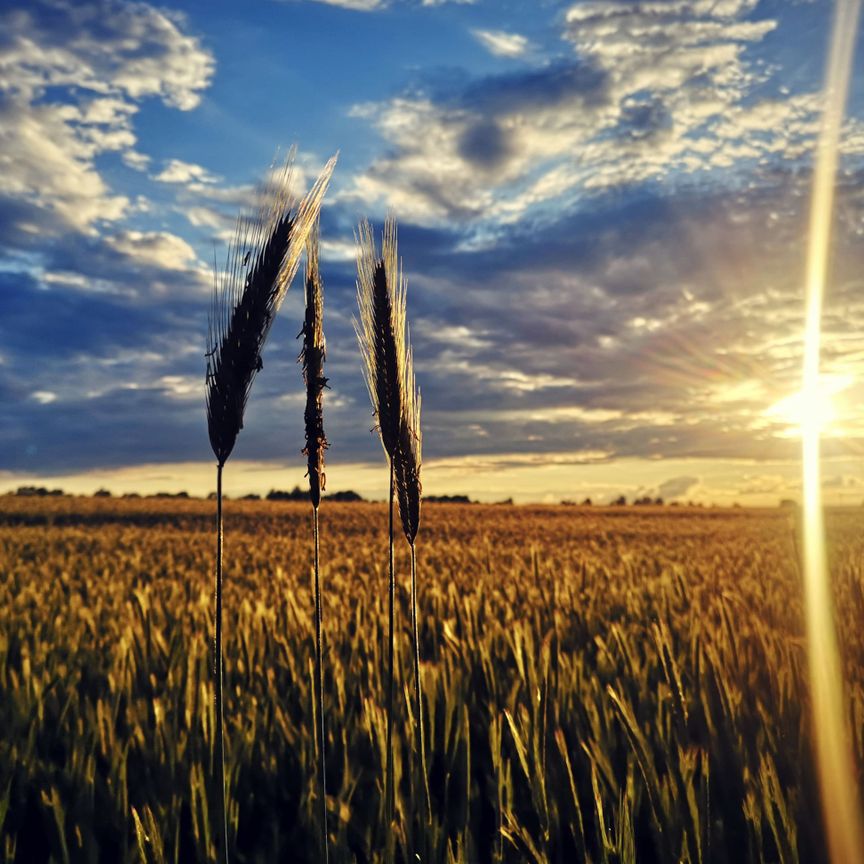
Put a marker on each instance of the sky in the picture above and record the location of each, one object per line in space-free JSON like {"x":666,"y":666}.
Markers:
{"x":602,"y":213}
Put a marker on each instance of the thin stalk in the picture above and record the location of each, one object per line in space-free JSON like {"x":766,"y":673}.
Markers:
{"x":320,"y":682}
{"x":389,"y":787}
{"x":219,"y":744}
{"x":418,"y":689}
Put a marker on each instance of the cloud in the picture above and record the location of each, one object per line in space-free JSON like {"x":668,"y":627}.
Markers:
{"x":500,"y":43}
{"x":677,"y":487}
{"x":378,"y":5}
{"x":71,"y":78}
{"x":653,"y":92}
{"x":178,"y":171}
{"x":158,"y":249}
{"x":357,"y":5}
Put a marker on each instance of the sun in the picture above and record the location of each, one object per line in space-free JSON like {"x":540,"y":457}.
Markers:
{"x":814,"y":406}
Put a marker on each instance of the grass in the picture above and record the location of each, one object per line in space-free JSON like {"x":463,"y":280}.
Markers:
{"x":615,"y":684}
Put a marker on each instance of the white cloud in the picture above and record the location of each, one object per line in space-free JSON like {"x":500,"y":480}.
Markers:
{"x":158,"y":249}
{"x":377,"y":5}
{"x":71,"y":76}
{"x":502,"y":44}
{"x":357,"y":5}
{"x":136,"y":160}
{"x":178,"y":171}
{"x":655,"y":91}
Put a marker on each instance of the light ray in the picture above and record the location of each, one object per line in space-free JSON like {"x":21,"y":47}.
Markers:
{"x":841,"y":806}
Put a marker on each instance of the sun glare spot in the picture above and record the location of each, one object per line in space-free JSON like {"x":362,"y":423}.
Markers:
{"x":812,"y":406}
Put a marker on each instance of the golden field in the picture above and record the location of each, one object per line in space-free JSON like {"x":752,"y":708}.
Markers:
{"x":600,"y":684}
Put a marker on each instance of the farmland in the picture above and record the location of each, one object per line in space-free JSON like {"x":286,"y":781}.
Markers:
{"x":603,"y":684}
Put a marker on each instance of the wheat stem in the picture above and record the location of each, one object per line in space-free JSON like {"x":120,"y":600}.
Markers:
{"x":322,"y":763}
{"x":418,"y":689}
{"x":389,"y":788}
{"x":221,"y":810}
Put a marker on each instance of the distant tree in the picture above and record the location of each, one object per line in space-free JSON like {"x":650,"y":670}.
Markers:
{"x":587,"y":502}
{"x":102,"y":493}
{"x":447,"y":499}
{"x":620,"y":501}
{"x":658,"y":501}
{"x":566,"y":502}
{"x":251,"y":497}
{"x":296,"y":494}
{"x":131,"y":495}
{"x":346,"y":495}
{"x":505,"y":502}
{"x":37,"y":492}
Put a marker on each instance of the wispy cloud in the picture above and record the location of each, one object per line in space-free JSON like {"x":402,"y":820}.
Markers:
{"x":178,"y":171}
{"x":378,"y":5}
{"x":501,"y":43}
{"x":71,"y":78}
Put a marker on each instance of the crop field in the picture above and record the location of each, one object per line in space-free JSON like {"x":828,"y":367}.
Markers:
{"x":600,"y":684}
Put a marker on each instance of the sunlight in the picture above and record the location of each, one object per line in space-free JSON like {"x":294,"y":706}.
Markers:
{"x":814,"y":405}
{"x":841,"y":808}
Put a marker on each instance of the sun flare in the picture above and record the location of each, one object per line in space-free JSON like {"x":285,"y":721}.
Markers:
{"x":841,"y":803}
{"x":814,"y":406}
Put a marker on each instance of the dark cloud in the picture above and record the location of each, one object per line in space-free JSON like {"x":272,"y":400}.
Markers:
{"x":559,"y":85}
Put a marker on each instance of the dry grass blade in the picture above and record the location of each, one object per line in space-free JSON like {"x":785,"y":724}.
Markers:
{"x":262,"y":260}
{"x":312,"y":358}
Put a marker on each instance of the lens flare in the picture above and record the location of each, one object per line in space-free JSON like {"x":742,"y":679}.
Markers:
{"x":841,"y":806}
{"x":815,"y":405}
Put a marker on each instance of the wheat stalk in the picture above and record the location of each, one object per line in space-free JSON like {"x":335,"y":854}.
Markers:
{"x":389,"y":372}
{"x":312,"y":358}
{"x":380,"y":298}
{"x":262,"y":260}
{"x":409,"y":490}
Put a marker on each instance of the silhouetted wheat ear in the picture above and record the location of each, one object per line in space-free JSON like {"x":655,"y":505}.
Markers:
{"x":381,"y":330}
{"x":261,"y":263}
{"x":409,"y":451}
{"x":312,"y":358}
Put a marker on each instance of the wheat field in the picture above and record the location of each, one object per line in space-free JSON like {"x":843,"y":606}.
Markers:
{"x":599,"y":684}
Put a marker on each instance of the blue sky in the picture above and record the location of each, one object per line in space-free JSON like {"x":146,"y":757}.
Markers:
{"x":602,"y":210}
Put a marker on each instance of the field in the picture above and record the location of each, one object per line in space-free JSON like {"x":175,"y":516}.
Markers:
{"x":601,"y":684}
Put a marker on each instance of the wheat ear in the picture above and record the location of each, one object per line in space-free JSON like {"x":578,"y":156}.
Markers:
{"x":312,"y":358}
{"x":262,"y":260}
{"x":409,"y":490}
{"x":380,"y":332}
{"x":389,"y":371}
